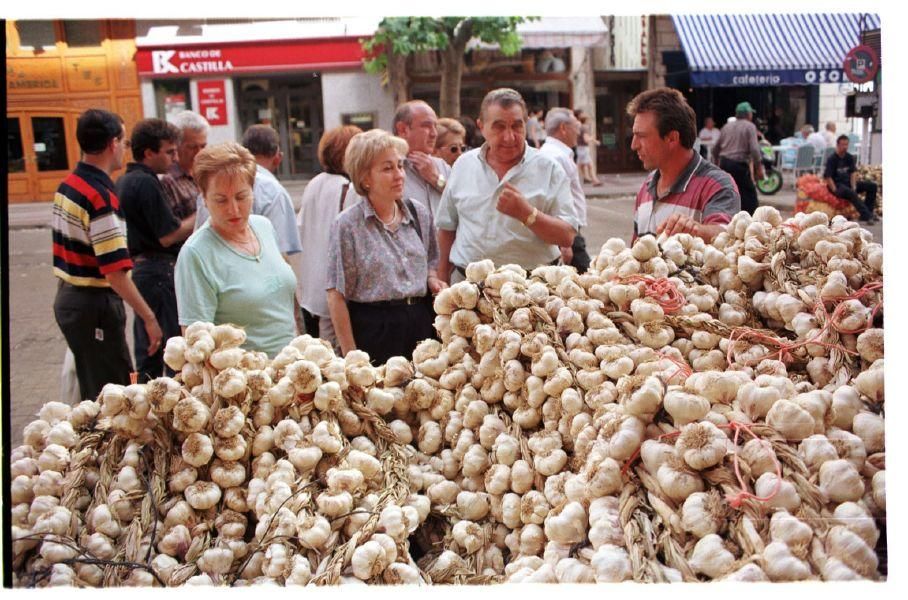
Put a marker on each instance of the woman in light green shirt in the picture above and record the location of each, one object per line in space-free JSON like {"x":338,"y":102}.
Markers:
{"x":231,"y":269}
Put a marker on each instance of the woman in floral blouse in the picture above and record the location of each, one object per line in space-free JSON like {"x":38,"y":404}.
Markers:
{"x":382,"y":256}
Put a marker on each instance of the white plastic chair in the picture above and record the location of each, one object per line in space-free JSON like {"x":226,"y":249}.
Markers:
{"x":803,"y":163}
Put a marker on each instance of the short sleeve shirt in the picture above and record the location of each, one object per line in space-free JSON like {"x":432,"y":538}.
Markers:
{"x":703,"y":192}
{"x":147,"y":211}
{"x":840,"y":168}
{"x":369,"y":263}
{"x":468,"y":206}
{"x":417,"y":188}
{"x":218,"y":284}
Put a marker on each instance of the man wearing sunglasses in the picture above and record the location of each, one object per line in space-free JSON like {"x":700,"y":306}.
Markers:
{"x":154,"y":235}
{"x":426,"y":175}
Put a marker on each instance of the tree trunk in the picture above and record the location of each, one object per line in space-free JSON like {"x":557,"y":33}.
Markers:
{"x":451,"y":72}
{"x":397,"y":77}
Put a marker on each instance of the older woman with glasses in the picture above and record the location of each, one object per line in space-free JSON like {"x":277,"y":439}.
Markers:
{"x":449,"y":144}
{"x":231,"y":269}
{"x":382,"y":256}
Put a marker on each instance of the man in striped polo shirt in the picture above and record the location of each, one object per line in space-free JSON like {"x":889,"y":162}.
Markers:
{"x":92,"y":261}
{"x":685,"y":193}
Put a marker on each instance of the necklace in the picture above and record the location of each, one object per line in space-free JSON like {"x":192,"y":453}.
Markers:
{"x":393,"y":217}
{"x":248,"y":246}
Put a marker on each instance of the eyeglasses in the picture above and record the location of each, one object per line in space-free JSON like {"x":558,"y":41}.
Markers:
{"x":455,"y":149}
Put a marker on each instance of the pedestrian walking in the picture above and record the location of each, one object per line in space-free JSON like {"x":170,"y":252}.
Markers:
{"x":92,"y":262}
{"x":383,"y":256}
{"x":154,"y":235}
{"x":231,"y":269}
{"x":584,"y":156}
{"x":505,"y":201}
{"x":738,"y":153}
{"x":685,"y":193}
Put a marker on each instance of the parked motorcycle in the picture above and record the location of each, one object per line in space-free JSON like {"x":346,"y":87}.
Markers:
{"x":772,"y":177}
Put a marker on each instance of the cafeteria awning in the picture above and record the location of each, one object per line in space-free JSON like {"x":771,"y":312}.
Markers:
{"x":769,"y":50}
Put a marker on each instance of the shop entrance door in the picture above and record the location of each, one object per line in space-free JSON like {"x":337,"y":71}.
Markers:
{"x":294,"y":109}
{"x":39,"y":154}
{"x":615,"y":127}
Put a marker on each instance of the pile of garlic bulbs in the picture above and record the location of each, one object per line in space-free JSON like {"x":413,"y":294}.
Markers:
{"x":681,"y":412}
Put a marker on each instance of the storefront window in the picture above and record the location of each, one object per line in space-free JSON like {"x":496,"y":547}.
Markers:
{"x":171,"y":97}
{"x":364,"y":121}
{"x":15,"y":158}
{"x":82,"y":34}
{"x":36,"y":35}
{"x":50,"y":143}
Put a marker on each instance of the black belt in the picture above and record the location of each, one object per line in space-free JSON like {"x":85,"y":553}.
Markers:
{"x":147,"y":256}
{"x":396,"y":302}
{"x":740,"y":162}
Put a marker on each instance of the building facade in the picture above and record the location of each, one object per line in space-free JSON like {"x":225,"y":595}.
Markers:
{"x":56,"y":69}
{"x":300,"y":76}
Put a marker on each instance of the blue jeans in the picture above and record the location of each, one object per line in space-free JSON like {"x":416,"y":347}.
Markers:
{"x":153,"y":277}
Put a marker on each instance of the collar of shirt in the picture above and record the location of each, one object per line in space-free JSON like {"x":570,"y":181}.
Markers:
{"x":561,"y":146}
{"x":680,"y":185}
{"x":177,"y":172}
{"x":369,"y":211}
{"x":135,"y":166}
{"x":261,"y":171}
{"x":528,"y":154}
{"x":83,"y":169}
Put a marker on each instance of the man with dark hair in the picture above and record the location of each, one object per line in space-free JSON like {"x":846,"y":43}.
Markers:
{"x":426,"y":175}
{"x":92,"y":260}
{"x":685,"y":193}
{"x":738,"y":153}
{"x":155,"y":235}
{"x":506,"y":201}
{"x":270,"y":198}
{"x":179,"y":185}
{"x":841,"y":178}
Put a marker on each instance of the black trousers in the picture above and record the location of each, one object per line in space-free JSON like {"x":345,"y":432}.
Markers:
{"x":740,"y":172}
{"x":581,"y":259}
{"x":93,"y":321}
{"x":386,"y":331}
{"x":310,"y":321}
{"x":865,"y":208}
{"x":153,"y":277}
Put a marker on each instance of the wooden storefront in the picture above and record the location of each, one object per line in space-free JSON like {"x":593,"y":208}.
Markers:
{"x":55,"y":71}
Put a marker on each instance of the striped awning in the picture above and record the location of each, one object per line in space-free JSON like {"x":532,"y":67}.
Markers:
{"x":769,"y":50}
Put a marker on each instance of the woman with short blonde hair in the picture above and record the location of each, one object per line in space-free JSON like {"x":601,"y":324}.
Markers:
{"x":382,"y":257}
{"x":231,"y":269}
{"x":449,"y":144}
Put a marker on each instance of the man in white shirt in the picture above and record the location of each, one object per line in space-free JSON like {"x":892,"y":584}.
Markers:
{"x":709,"y":135}
{"x":504,"y":201}
{"x":562,"y":131}
{"x":270,"y":198}
{"x":814,"y":138}
{"x":415,"y":122}
{"x":829,"y":134}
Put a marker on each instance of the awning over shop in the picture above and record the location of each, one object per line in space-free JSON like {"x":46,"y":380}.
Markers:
{"x":769,"y":50}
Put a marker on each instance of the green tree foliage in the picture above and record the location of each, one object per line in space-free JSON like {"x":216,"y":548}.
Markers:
{"x":398,"y":37}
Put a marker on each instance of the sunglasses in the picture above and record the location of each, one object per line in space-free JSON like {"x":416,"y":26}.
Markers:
{"x":455,"y":149}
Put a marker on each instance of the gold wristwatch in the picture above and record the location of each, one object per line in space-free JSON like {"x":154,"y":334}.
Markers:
{"x":532,"y":218}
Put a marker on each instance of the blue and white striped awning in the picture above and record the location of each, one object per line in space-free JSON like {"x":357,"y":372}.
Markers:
{"x":769,"y":50}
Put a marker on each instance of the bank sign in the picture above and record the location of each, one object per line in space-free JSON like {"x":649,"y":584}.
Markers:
{"x":249,"y":57}
{"x":766,"y":78}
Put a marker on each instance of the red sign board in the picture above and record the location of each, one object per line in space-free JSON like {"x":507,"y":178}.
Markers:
{"x":249,"y":57}
{"x":861,"y":64}
{"x":213,"y":101}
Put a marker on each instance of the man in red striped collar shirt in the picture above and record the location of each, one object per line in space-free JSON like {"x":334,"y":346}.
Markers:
{"x":92,"y":261}
{"x":685,"y":193}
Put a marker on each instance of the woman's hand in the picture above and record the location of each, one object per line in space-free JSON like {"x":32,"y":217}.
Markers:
{"x":435,"y":284}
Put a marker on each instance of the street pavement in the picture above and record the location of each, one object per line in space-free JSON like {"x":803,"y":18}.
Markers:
{"x":37,"y":347}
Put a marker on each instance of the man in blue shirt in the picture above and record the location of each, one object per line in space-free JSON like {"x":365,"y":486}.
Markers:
{"x":841,"y":179}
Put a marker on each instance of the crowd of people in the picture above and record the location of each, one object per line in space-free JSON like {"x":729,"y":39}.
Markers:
{"x":210,"y":234}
